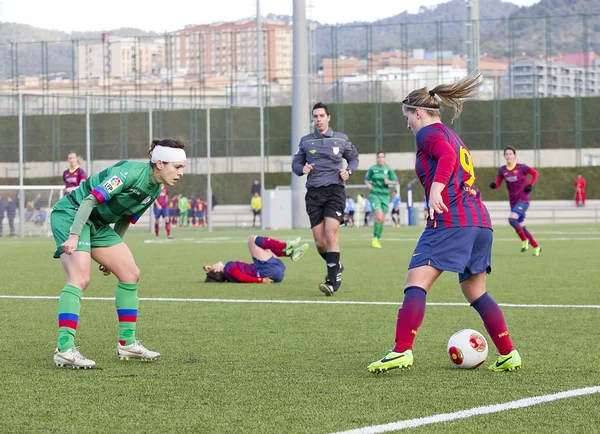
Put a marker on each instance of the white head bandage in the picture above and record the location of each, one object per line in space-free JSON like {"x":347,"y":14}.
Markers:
{"x":421,"y":108}
{"x":168,"y":155}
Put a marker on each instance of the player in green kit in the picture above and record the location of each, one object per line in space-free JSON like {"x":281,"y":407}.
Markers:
{"x":80,"y":224}
{"x":182,"y":204}
{"x":378,"y":179}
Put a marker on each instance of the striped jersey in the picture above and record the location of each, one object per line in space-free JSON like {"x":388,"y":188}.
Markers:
{"x":516,"y":181}
{"x":124,"y":191}
{"x":241,"y":272}
{"x":443,"y":157}
{"x":377,"y":175}
{"x":163,"y":197}
{"x":73,"y":178}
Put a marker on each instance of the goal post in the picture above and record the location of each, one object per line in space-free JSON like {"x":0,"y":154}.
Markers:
{"x":30,"y":216}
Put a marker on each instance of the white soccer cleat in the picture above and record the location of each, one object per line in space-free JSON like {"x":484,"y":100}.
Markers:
{"x":136,"y":351}
{"x":72,"y":358}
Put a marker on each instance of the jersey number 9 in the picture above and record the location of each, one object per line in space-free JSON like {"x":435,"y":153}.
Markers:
{"x":467,"y":164}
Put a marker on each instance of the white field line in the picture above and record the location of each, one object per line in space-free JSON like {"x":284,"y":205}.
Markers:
{"x":477,"y":411}
{"x":364,"y":303}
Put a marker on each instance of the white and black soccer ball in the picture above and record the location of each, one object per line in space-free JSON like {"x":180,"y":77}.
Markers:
{"x":467,"y":349}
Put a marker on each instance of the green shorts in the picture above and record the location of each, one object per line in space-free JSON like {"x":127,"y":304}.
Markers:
{"x":91,"y":236}
{"x":380,"y":203}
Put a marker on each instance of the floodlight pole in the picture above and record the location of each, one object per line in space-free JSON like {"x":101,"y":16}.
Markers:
{"x":259,"y":95}
{"x":300,"y":107}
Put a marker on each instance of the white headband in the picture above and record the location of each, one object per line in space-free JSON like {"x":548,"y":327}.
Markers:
{"x":168,"y":155}
{"x":421,"y":108}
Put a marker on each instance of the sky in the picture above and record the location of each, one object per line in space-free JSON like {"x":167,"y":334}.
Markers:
{"x":169,"y":15}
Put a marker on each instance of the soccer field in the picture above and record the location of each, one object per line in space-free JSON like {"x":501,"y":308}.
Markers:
{"x":284,"y":358}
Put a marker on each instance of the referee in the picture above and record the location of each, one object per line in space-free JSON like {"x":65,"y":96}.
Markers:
{"x":320,"y":156}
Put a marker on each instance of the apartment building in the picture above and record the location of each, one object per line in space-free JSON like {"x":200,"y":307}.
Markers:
{"x":225,"y":49}
{"x":118,"y":57}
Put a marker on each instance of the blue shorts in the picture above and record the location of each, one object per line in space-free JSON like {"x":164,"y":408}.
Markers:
{"x":272,"y":268}
{"x":463,"y":250}
{"x":158,"y":213}
{"x":520,"y":209}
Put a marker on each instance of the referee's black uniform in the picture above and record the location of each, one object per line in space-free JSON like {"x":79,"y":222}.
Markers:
{"x":325,"y":196}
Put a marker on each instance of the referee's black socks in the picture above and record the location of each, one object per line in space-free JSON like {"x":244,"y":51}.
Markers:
{"x":333,"y":264}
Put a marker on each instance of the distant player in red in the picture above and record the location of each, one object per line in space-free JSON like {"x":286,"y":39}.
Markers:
{"x":74,"y":175}
{"x":519,"y":187}
{"x":161,"y":209}
{"x":266,"y":266}
{"x":579,"y":185}
{"x":458,"y":236}
{"x":173,"y":210}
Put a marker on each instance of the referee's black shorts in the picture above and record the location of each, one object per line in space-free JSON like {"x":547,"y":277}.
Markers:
{"x":322,"y":202}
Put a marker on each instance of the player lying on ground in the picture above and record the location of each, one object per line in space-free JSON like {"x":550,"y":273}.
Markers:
{"x":266,"y":266}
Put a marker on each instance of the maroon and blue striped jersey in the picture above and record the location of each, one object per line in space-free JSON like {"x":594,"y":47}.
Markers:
{"x":516,"y":181}
{"x":73,"y":178}
{"x":241,"y":272}
{"x":162,"y":198}
{"x":443,"y":157}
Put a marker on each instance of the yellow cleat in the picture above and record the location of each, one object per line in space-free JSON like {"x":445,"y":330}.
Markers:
{"x":375,"y":243}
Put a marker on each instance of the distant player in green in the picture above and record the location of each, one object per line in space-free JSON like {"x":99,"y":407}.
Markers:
{"x":378,"y":179}
{"x":80,"y":224}
{"x":183,"y":210}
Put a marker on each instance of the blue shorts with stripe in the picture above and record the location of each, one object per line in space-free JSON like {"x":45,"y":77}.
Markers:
{"x":520,"y":209}
{"x":273,"y":268}
{"x":463,"y":250}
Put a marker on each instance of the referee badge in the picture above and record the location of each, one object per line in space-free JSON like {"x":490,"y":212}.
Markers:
{"x":336,"y":150}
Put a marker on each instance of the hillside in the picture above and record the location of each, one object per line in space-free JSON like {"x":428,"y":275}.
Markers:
{"x":437,"y":28}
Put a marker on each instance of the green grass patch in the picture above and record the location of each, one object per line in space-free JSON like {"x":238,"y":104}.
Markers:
{"x":282,"y":367}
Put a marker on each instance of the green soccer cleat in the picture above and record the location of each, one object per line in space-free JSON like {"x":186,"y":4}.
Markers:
{"x":290,"y":245}
{"x":537,"y":251}
{"x":299,"y":252}
{"x":524,"y":246}
{"x":392,"y":360}
{"x":376,"y":244}
{"x":510,"y":362}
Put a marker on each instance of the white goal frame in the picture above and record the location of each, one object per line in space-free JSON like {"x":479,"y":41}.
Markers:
{"x":20,"y":191}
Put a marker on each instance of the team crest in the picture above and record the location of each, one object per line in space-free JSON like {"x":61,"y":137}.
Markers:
{"x":336,"y":150}
{"x":385,"y":171}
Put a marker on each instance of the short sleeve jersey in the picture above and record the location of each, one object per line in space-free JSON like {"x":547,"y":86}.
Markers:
{"x":463,"y":199}
{"x":377,"y":175}
{"x":124,"y":191}
{"x":74,"y":178}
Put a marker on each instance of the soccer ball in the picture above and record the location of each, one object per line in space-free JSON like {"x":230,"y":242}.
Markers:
{"x":467,"y":349}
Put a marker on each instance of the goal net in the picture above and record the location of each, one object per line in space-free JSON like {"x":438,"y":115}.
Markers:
{"x":25,"y":210}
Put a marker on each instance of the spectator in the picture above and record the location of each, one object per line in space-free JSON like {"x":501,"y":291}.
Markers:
{"x":2,"y":207}
{"x":579,"y":184}
{"x":256,"y":204}
{"x":11,"y":212}
{"x":256,"y":187}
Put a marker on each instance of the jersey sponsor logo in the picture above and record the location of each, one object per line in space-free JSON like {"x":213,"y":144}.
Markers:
{"x":336,"y":150}
{"x":112,"y":183}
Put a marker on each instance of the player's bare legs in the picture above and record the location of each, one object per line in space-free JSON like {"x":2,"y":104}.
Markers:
{"x":119,"y":261}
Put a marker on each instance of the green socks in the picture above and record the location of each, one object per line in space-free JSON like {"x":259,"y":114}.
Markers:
{"x":127,"y":309}
{"x":69,"y":305}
